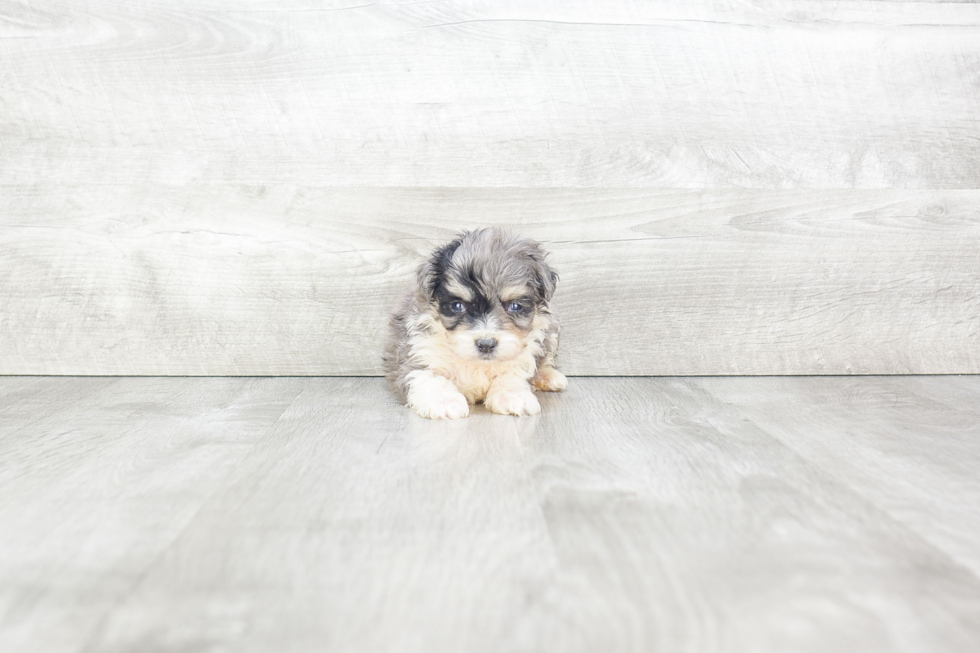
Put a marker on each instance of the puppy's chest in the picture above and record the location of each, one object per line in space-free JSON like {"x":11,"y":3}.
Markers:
{"x":474,"y":379}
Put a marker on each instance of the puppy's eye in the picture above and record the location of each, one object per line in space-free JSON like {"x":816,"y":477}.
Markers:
{"x":515,"y":307}
{"x":457,"y":307}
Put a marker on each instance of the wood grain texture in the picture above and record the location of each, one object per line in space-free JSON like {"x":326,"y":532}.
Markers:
{"x":241,"y":188}
{"x":700,"y":94}
{"x":666,"y":515}
{"x":682,"y":524}
{"x":356,"y":528}
{"x":299,"y":281}
{"x":907,"y":443}
{"x":95,"y":490}
{"x":27,"y":399}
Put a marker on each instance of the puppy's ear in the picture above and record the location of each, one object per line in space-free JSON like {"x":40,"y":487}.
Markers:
{"x":432,"y":272}
{"x":545,"y":277}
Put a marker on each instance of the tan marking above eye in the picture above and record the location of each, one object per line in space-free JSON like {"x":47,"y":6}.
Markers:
{"x":514,"y":294}
{"x":453,"y":287}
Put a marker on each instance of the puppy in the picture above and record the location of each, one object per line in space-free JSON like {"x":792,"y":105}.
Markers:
{"x":478,"y":326}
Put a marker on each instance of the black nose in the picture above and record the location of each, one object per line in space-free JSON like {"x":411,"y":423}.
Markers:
{"x":486,"y":345}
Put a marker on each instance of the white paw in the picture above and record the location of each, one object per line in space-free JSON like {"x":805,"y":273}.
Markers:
{"x":550,"y":380}
{"x":513,"y":402}
{"x":446,"y":405}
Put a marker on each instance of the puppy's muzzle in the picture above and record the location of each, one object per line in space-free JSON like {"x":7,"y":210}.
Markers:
{"x":486,"y":345}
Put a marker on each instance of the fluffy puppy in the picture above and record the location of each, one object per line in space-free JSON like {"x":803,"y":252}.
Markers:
{"x":477,"y":327}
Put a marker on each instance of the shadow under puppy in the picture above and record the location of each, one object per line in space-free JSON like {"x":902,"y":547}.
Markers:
{"x":477,"y":327}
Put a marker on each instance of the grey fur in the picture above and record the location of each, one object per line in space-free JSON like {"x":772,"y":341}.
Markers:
{"x":489,"y":259}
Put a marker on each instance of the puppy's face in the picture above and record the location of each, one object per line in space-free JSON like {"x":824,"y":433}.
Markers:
{"x":487,"y":288}
{"x":485,"y":324}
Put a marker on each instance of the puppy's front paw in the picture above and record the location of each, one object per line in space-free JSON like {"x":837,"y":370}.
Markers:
{"x":435,"y":396}
{"x":444,"y":405}
{"x":550,"y":380}
{"x":513,"y":402}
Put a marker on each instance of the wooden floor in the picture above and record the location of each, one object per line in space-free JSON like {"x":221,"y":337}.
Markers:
{"x":655,"y":514}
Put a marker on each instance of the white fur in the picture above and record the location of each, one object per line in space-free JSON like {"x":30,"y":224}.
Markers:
{"x":509,"y":395}
{"x":434,"y":348}
{"x":463,"y":343}
{"x":435,"y":396}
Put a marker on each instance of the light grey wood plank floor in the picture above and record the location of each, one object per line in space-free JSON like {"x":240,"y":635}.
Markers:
{"x":654,"y":514}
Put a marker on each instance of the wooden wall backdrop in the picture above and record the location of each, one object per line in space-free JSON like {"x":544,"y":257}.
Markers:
{"x":750,"y":187}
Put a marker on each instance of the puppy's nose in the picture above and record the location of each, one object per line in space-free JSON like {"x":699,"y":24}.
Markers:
{"x":486,"y":345}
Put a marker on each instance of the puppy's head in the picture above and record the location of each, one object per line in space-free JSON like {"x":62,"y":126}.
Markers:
{"x":487,"y":287}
